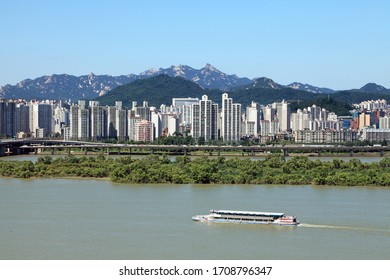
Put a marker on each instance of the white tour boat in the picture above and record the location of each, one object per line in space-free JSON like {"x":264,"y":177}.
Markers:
{"x":247,"y":217}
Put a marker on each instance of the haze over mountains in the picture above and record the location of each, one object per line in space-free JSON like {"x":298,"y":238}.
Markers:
{"x":64,"y":86}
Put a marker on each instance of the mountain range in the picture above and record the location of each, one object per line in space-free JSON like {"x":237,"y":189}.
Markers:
{"x":162,"y":88}
{"x":64,"y":86}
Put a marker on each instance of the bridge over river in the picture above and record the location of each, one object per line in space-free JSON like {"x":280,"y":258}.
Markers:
{"x":26,"y":146}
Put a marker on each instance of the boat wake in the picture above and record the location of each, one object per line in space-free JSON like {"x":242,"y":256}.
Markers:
{"x":344,"y":227}
{"x":325,"y":226}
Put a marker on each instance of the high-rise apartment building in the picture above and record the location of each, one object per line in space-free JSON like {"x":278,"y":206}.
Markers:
{"x":74,"y":122}
{"x":22,"y":118}
{"x":98,"y":121}
{"x":155,"y":117}
{"x":60,"y":118}
{"x":252,"y":119}
{"x":300,"y":120}
{"x":283,"y":114}
{"x":164,"y":117}
{"x":111,"y":122}
{"x":205,"y":120}
{"x":230,"y":119}
{"x":173,"y":125}
{"x":384,"y":122}
{"x":144,"y":111}
{"x":314,"y":112}
{"x":195,"y":122}
{"x":184,"y":109}
{"x":131,"y":123}
{"x":143,"y":131}
{"x":268,"y":113}
{"x":269,"y":127}
{"x":40,"y":119}
{"x":8,"y":113}
{"x":215,"y":121}
{"x":84,"y":122}
{"x":120,"y":121}
{"x":237,"y":122}
{"x":364,"y":120}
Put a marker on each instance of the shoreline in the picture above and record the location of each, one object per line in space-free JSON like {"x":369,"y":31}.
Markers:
{"x":107,"y":179}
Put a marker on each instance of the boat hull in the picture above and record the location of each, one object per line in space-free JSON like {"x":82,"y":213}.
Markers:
{"x":211,"y":219}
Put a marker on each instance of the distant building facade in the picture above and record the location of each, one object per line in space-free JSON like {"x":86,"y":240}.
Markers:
{"x":325,"y":136}
{"x":376,"y":134}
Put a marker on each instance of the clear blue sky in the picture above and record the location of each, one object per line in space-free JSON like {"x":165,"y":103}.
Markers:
{"x":338,"y":44}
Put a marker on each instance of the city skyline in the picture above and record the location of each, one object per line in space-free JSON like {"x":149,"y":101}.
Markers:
{"x":203,"y":120}
{"x":340,"y":45}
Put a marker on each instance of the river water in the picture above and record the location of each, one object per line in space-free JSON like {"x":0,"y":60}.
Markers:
{"x":98,"y":219}
{"x":34,"y":158}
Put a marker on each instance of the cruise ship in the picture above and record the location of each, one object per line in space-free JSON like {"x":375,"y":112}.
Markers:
{"x":247,"y":217}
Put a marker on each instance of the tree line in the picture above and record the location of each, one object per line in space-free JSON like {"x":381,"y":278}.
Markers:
{"x":274,"y":169}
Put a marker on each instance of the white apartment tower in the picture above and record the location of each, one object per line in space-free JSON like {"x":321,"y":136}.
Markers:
{"x":173,"y":124}
{"x":300,"y":120}
{"x":204,"y":119}
{"x":60,"y":118}
{"x":231,"y":119}
{"x":155,"y":117}
{"x":384,"y":122}
{"x":184,"y":108}
{"x":252,"y":120}
{"x":268,"y":113}
{"x":283,"y":114}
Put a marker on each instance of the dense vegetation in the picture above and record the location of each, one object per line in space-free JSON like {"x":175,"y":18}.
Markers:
{"x":355,"y":96}
{"x":327,"y":102}
{"x":162,"y":88}
{"x":269,"y":95}
{"x":157,"y":90}
{"x":155,"y":169}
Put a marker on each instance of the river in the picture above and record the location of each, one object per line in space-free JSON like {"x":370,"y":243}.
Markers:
{"x":98,"y":219}
{"x":34,"y":158}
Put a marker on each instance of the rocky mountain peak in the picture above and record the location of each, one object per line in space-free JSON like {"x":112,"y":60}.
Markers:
{"x":211,"y":68}
{"x":178,"y":70}
{"x":265,"y":82}
{"x":50,"y":79}
{"x":373,"y":88}
{"x":309,"y":88}
{"x":150,"y":72}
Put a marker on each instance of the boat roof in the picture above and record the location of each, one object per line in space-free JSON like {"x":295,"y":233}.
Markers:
{"x":250,"y":212}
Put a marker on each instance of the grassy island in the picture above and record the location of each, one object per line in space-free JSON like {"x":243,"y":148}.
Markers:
{"x":155,"y":169}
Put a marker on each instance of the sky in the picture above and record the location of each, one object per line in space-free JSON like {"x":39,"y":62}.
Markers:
{"x":336,"y":44}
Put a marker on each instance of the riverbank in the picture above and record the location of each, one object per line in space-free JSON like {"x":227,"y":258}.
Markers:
{"x":203,"y":170}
